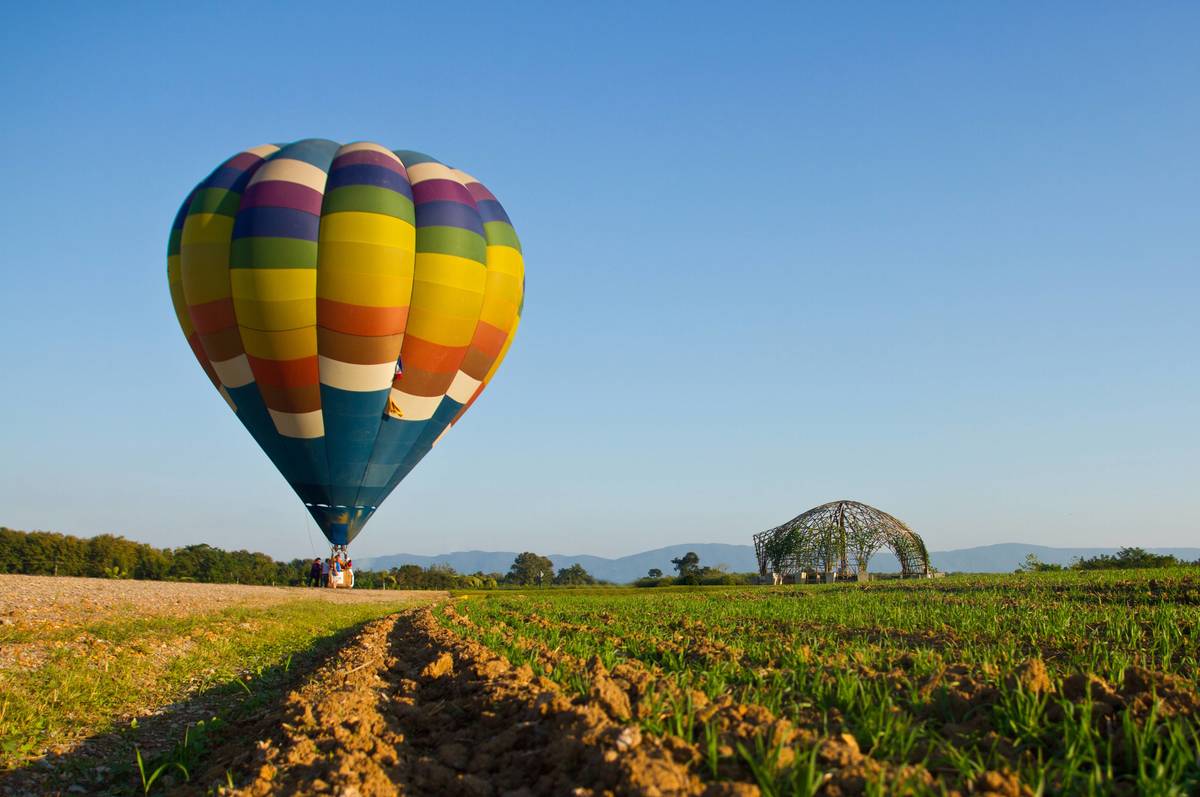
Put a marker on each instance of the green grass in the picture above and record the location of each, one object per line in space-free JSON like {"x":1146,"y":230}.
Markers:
{"x":96,"y":676}
{"x":887,"y":662}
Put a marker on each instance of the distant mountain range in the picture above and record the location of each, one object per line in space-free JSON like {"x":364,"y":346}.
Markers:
{"x":1001,"y":558}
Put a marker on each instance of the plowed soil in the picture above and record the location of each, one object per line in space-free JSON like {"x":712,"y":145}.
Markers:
{"x":410,"y":708}
{"x":38,"y":601}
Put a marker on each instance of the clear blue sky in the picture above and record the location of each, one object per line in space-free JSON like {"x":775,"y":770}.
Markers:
{"x":939,"y":257}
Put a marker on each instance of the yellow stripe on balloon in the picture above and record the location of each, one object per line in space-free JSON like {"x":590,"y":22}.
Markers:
{"x":371,"y":228}
{"x":451,"y":270}
{"x":503,"y":351}
{"x":276,"y":316}
{"x":291,"y":344}
{"x":501,"y":302}
{"x":434,"y":326}
{"x":205,"y":281}
{"x":178,"y":300}
{"x":291,"y":292}
{"x":204,"y":257}
{"x":450,"y":301}
{"x":505,"y":259}
{"x":361,"y":258}
{"x":276,"y":283}
{"x":364,"y":290}
{"x":206,"y":228}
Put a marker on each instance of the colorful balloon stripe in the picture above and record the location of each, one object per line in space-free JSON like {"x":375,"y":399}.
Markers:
{"x":350,"y":303}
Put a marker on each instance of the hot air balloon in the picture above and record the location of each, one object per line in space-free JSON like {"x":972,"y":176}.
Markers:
{"x":349,"y":302}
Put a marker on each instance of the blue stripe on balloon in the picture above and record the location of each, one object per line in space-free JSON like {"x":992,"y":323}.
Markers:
{"x":183,"y":211}
{"x":352,"y":422}
{"x":301,"y":462}
{"x":368,"y":174}
{"x":490,"y":210}
{"x":270,"y":222}
{"x":449,"y":214}
{"x":447,"y":409}
{"x":228,"y":178}
{"x":395,"y":442}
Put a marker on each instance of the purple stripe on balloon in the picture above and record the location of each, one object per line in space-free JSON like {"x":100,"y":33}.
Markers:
{"x":282,"y":194}
{"x":368,"y":156}
{"x":480,"y":192}
{"x":441,"y":191}
{"x":243,"y":161}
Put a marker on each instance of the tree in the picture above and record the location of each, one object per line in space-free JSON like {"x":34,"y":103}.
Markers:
{"x":654,"y":573}
{"x":779,"y":547}
{"x":1127,"y":559}
{"x":574,"y":575}
{"x":530,"y":568}
{"x":109,"y":556}
{"x":1034,"y":565}
{"x":686,"y":564}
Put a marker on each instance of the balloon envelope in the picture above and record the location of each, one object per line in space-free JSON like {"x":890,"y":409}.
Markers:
{"x":350,"y":303}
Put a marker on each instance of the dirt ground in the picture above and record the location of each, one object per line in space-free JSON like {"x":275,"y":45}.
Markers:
{"x":34,"y":601}
{"x":411,"y":708}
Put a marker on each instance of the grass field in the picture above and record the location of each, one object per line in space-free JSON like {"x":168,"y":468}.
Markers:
{"x":1057,"y":683}
{"x":1050,"y":683}
{"x":126,"y":680}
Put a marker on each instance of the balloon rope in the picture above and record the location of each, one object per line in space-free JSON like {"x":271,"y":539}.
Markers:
{"x":308,"y":531}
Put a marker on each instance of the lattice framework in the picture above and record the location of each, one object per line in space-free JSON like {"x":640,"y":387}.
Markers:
{"x":838,"y":539}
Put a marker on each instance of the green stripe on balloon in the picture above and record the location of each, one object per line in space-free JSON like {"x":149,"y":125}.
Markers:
{"x":501,"y":234}
{"x":452,"y":241}
{"x":216,"y":200}
{"x":256,"y":252}
{"x":368,"y":199}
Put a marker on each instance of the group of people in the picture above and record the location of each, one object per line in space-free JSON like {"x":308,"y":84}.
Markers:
{"x":336,"y":571}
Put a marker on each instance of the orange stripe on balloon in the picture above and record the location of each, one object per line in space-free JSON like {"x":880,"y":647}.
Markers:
{"x":354,"y":319}
{"x":489,"y":339}
{"x":285,"y":373}
{"x":213,"y":316}
{"x":223,"y":344}
{"x":306,"y":398}
{"x":423,"y":355}
{"x":198,"y":350}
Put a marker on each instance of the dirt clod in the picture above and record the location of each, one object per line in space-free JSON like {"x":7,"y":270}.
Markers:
{"x":440,"y":666}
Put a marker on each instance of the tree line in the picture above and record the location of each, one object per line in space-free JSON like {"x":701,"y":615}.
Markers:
{"x":48,"y":553}
{"x":1123,"y":559}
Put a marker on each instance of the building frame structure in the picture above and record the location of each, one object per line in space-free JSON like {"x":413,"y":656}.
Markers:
{"x":835,"y":541}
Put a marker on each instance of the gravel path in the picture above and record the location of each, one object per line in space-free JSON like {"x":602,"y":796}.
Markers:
{"x":33,"y":601}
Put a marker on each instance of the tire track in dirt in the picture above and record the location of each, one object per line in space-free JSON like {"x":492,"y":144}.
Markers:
{"x":411,"y":708}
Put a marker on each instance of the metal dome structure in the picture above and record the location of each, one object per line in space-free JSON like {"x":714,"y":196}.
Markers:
{"x":835,"y":541}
